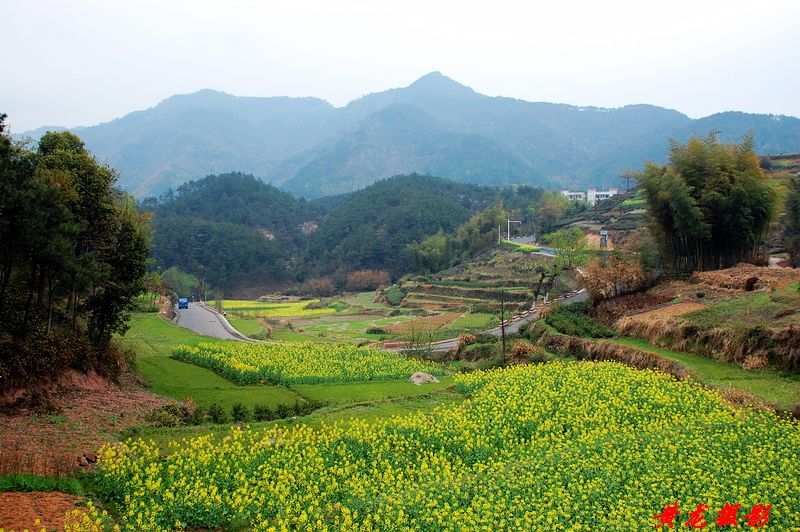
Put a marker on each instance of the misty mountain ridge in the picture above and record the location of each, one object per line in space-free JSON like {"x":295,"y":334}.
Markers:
{"x":434,"y":126}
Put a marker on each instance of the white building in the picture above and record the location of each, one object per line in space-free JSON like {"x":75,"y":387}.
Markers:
{"x":593,"y":195}
{"x":574,"y":195}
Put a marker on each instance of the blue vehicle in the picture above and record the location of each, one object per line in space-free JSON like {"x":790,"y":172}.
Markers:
{"x":183,"y":302}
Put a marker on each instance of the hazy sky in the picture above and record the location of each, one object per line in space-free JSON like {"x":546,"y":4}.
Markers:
{"x":83,"y":62}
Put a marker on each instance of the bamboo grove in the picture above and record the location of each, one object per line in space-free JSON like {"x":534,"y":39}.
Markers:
{"x":73,"y":253}
{"x":711,"y":205}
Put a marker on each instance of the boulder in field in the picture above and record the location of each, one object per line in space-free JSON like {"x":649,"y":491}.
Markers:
{"x":422,"y":378}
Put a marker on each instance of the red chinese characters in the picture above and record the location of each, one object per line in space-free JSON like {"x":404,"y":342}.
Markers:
{"x":697,"y":519}
{"x":728,"y":516}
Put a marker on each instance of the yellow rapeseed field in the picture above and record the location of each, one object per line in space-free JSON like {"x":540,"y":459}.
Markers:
{"x":256,"y":309}
{"x":301,"y":362}
{"x":580,"y":446}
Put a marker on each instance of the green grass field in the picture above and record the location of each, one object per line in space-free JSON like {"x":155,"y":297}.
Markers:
{"x":475,"y":320}
{"x":153,"y":339}
{"x":352,"y":328}
{"x":357,"y":392}
{"x":342,"y":413}
{"x":364,"y":300}
{"x":247,"y":326}
{"x":769,"y":385}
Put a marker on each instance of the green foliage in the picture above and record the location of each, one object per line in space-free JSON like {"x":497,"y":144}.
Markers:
{"x":229,"y":255}
{"x":570,"y":246}
{"x":711,"y":206}
{"x":36,"y":483}
{"x":237,"y":228}
{"x":372,"y":228}
{"x":73,"y":255}
{"x":522,"y":248}
{"x":791,"y":220}
{"x":182,"y":283}
{"x":573,"y":320}
{"x":441,"y":250}
{"x":394,"y":295}
{"x":240,"y":413}
{"x":217,"y":414}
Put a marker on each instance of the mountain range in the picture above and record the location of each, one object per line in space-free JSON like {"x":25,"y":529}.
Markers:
{"x":434,"y":126}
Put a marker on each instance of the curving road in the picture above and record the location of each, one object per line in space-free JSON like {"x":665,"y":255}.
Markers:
{"x":206,"y":321}
{"x":512,"y":327}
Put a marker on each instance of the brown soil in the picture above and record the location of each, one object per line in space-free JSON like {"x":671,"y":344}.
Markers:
{"x":82,"y":418}
{"x":19,"y":511}
{"x":677,"y":309}
{"x":703,"y":288}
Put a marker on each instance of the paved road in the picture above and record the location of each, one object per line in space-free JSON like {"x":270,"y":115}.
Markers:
{"x":206,"y":322}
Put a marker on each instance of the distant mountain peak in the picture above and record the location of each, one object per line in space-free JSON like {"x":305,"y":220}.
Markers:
{"x":438,"y":84}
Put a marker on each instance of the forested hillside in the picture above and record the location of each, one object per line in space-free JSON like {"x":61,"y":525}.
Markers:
{"x":238,"y":232}
{"x":373,"y":227}
{"x":435,"y":126}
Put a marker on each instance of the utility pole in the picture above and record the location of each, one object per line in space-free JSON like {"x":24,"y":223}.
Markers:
{"x":503,"y":322}
{"x":509,"y":226}
{"x":499,"y":234}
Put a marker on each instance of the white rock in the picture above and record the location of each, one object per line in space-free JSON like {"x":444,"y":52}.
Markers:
{"x":422,"y":378}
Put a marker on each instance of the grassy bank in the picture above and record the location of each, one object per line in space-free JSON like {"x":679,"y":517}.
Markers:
{"x":781,"y":389}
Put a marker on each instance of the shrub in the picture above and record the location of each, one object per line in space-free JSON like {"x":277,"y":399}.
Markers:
{"x":319,"y":286}
{"x":376,"y":330}
{"x":519,"y":352}
{"x":263,"y":413}
{"x":394,"y":295}
{"x":240,"y":413}
{"x":465,"y":340}
{"x":198,"y":416}
{"x":533,"y":330}
{"x":217,"y":414}
{"x":607,"y":279}
{"x":573,"y":320}
{"x":162,"y":418}
{"x":170,"y":415}
{"x":282,"y":411}
{"x":478,"y":352}
{"x":367,"y":280}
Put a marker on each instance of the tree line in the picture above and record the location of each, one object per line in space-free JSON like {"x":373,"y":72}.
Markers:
{"x":73,"y":254}
{"x":711,"y":205}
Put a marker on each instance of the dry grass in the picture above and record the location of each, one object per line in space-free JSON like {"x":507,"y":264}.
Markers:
{"x":742,"y":398}
{"x":746,"y":277}
{"x":609,"y":311}
{"x":667,"y":311}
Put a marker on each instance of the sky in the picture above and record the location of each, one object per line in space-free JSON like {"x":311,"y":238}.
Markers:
{"x":84,"y":62}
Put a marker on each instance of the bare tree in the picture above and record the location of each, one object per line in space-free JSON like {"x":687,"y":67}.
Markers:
{"x":419,"y":342}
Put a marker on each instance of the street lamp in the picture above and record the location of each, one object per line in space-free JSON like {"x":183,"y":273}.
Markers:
{"x":509,"y":227}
